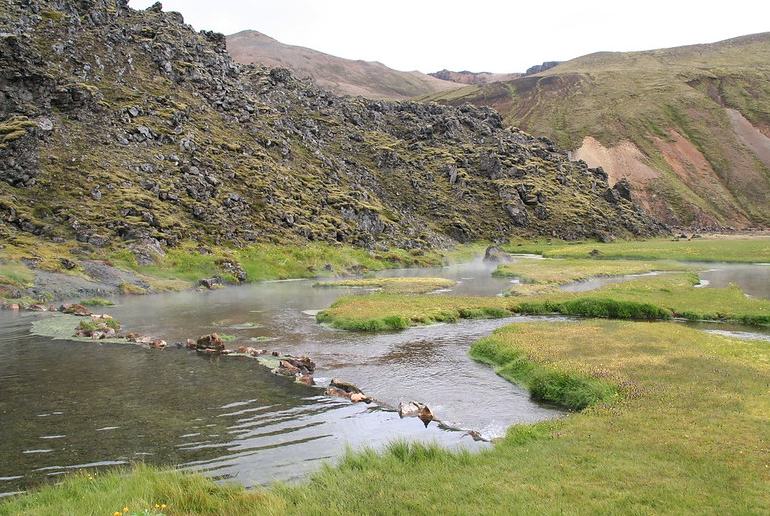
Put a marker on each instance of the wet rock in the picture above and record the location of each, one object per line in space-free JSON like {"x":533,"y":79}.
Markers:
{"x":210,"y":283}
{"x":75,"y":309}
{"x":415,"y":409}
{"x":342,"y":389}
{"x":306,"y":379}
{"x":210,"y":342}
{"x":37,"y":308}
{"x":425,"y":415}
{"x":158,"y":344}
{"x":409,"y":409}
{"x":344,"y":386}
{"x":291,"y":366}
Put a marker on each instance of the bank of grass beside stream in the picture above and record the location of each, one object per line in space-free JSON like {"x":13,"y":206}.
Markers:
{"x":182,"y":267}
{"x":408,"y":285}
{"x":647,"y":298}
{"x":675,"y":422}
{"x":712,"y":248}
{"x":568,"y":270}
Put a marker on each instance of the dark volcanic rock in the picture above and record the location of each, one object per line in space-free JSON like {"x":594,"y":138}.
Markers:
{"x":208,"y":150}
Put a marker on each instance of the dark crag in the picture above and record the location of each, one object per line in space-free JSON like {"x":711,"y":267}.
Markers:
{"x":118,"y":126}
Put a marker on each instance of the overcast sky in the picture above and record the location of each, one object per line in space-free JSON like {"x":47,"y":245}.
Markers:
{"x":477,"y":35}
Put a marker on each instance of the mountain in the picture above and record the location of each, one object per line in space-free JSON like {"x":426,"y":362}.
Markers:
{"x":341,"y":76}
{"x":689,"y":127}
{"x":120,"y":127}
{"x":466,"y":77}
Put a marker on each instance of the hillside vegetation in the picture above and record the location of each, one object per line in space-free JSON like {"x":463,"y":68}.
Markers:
{"x":126,"y":132}
{"x":689,"y":127}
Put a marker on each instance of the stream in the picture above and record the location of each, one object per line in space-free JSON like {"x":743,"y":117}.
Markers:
{"x":67,"y":405}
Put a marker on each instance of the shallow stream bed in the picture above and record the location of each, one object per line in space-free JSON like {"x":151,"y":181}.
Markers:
{"x":67,"y":405}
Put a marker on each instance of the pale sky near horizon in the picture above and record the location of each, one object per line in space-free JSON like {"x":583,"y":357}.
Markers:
{"x":480,"y":35}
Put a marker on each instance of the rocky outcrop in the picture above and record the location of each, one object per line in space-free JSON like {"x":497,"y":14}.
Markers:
{"x":125,"y":129}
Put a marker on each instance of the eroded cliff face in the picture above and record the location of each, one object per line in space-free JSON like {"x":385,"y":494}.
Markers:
{"x":118,"y":125}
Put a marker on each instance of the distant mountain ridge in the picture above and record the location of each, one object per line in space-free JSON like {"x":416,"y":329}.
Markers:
{"x":689,"y":126}
{"x":342,"y":76}
{"x":467,"y":77}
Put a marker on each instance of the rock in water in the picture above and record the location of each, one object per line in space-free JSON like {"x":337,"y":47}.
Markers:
{"x":210,"y":342}
{"x":425,"y":415}
{"x":410,"y":409}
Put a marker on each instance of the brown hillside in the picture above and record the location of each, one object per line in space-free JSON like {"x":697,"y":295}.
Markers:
{"x":342,"y":76}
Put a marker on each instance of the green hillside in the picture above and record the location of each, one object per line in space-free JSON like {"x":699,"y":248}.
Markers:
{"x":688,"y":126}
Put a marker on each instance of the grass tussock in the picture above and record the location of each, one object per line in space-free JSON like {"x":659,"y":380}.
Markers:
{"x":97,"y":301}
{"x":671,"y":417}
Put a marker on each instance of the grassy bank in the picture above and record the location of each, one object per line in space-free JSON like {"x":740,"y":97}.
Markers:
{"x":182,"y":267}
{"x":655,"y":298}
{"x":380,"y":312}
{"x":561,"y":271}
{"x":709,"y":249}
{"x":413,"y":285}
{"x":676,"y":423}
{"x":649,"y":298}
{"x":271,"y":261}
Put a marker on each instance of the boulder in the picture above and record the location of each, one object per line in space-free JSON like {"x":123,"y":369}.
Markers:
{"x":75,"y":309}
{"x":495,"y":254}
{"x":210,"y":283}
{"x":425,"y":415}
{"x":158,"y":344}
{"x":210,"y":342}
{"x":344,"y":386}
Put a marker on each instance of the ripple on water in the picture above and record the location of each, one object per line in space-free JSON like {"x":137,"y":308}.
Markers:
{"x":230,"y":417}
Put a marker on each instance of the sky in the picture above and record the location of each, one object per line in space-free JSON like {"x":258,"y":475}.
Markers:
{"x":476,"y":35}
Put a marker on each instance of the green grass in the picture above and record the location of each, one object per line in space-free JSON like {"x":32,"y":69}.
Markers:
{"x":639,"y":98}
{"x":675,"y":423}
{"x":93,"y":325}
{"x":406,"y":285}
{"x":272,"y":261}
{"x":712,"y":249}
{"x":655,"y":298}
{"x":97,"y":301}
{"x":561,"y":271}
{"x":16,"y":275}
{"x":381,"y":312}
{"x":649,"y":298}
